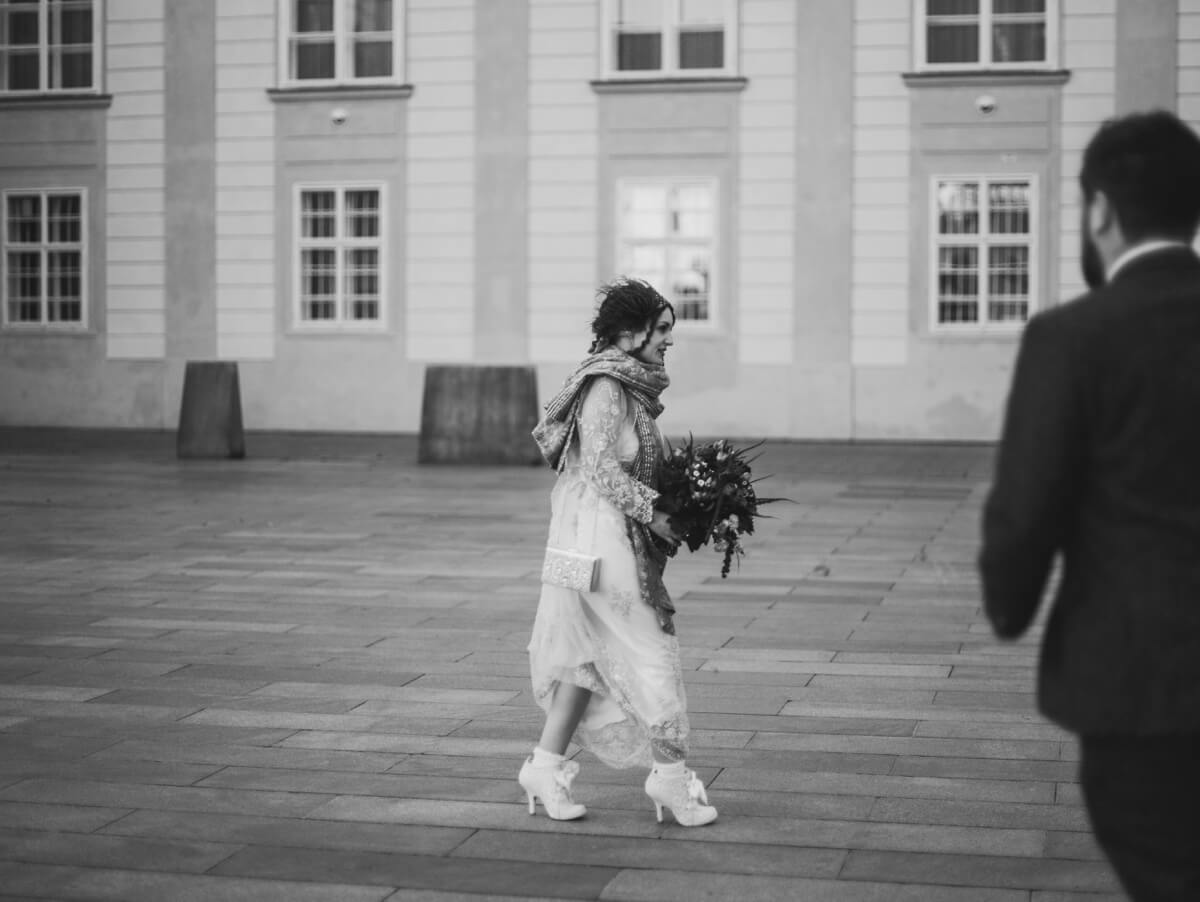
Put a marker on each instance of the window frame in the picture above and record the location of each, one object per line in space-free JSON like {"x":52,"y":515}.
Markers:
{"x":985,"y":63}
{"x":983,"y":240}
{"x":43,"y":45}
{"x":710,"y":323}
{"x":43,"y":247}
{"x":340,"y":243}
{"x":343,"y":48}
{"x":670,"y":45}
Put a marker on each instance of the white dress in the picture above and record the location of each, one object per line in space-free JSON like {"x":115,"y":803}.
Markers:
{"x":608,"y":641}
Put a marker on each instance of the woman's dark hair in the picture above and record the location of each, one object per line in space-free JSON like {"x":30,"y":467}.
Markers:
{"x":626,"y":305}
{"x":1148,"y":166}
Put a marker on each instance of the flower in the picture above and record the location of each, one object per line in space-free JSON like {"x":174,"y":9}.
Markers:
{"x":709,"y":491}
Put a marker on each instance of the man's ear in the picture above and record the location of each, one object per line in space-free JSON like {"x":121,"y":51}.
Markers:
{"x":1102,"y":215}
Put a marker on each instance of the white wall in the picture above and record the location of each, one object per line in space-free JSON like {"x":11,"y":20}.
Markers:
{"x":136,"y":251}
{"x":246,"y":172}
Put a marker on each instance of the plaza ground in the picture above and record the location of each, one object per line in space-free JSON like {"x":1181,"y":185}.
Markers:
{"x":302,"y":676}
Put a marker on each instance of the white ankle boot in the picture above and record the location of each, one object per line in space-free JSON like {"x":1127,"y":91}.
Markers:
{"x":551,"y":784}
{"x":684,"y":794}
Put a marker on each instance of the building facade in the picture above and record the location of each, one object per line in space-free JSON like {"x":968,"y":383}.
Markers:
{"x":854,"y":204}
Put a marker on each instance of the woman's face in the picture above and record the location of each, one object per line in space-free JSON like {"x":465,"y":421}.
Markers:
{"x":655,"y":350}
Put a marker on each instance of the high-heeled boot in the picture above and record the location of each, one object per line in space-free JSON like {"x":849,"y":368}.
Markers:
{"x":674,"y":786}
{"x":550,"y":780}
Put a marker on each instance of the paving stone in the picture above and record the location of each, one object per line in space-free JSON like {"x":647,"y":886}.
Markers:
{"x":38,"y":881}
{"x":57,"y":818}
{"x":674,"y":854}
{"x":432,"y":872}
{"x":92,"y":850}
{"x":169,"y":798}
{"x":686,"y":886}
{"x":992,"y":870}
{"x":417,"y":839}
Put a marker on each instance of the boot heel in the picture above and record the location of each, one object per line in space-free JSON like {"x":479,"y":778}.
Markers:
{"x":658,"y":811}
{"x":532,"y":807}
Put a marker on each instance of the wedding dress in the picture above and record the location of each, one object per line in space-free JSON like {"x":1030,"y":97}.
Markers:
{"x":608,"y":641}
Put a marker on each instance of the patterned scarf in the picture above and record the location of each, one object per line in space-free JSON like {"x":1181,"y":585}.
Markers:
{"x":643,"y":382}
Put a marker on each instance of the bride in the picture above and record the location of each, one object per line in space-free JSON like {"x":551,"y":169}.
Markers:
{"x":605,"y":662}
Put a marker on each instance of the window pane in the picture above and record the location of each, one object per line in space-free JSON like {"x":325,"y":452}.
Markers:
{"x":958,"y":208}
{"x":318,"y":217}
{"x":71,"y":22}
{"x":1008,"y":284}
{"x":313,"y":59}
{"x":1000,"y":7}
{"x":63,"y":225}
{"x":1019,"y":42}
{"x":362,"y":214}
{"x":952,"y":8}
{"x":25,"y":220}
{"x":19,"y":25}
{"x":688,"y":284}
{"x":637,"y":52}
{"x":701,"y":49}
{"x":693,"y":214}
{"x":71,"y":68}
{"x":644,"y":213}
{"x":952,"y":43}
{"x":372,"y":15}
{"x":318,"y":284}
{"x":1008,"y":205}
{"x":24,"y":272}
{"x":372,"y":59}
{"x":64,"y":284}
{"x":958,"y":284}
{"x":701,"y":12}
{"x":648,"y":262}
{"x":21,"y":71}
{"x":362,"y":284}
{"x":313,"y":15}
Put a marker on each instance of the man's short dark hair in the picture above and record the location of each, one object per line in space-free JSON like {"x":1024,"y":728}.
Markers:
{"x":1148,"y":165}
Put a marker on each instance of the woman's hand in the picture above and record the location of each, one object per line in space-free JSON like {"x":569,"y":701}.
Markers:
{"x":661,"y":527}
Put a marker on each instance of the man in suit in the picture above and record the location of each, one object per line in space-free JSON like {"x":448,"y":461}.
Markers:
{"x":1099,"y":466}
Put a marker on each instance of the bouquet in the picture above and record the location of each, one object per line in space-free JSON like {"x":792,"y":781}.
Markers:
{"x":709,"y":494}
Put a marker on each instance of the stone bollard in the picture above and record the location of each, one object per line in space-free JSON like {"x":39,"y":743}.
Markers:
{"x":210,"y":415}
{"x":479,"y":415}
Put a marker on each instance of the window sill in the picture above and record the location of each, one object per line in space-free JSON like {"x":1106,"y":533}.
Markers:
{"x":55,"y":101}
{"x":339,"y":331}
{"x":976,"y":333}
{"x":295,"y":93}
{"x":33,"y":330}
{"x":668,"y":84}
{"x":964,"y":77}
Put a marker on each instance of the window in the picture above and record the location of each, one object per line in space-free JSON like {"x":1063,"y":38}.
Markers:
{"x":341,"y":41}
{"x":666,"y":235}
{"x":672,"y":38}
{"x":986,"y":34}
{"x":983,"y":252}
{"x":49,"y":46}
{"x":44,"y":257}
{"x":340,"y":256}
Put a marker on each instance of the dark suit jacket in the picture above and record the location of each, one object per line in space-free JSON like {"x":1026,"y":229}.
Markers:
{"x":1100,"y":463}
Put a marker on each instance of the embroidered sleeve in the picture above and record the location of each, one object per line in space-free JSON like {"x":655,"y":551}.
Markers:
{"x":601,"y":419}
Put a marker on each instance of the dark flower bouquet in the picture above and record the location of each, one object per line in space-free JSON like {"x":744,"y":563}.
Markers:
{"x":709,"y":493}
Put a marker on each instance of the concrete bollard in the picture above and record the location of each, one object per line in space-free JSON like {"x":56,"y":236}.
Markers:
{"x":479,"y":415}
{"x":210,"y":415}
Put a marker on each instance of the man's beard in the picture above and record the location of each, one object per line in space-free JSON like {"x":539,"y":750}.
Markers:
{"x":1091,"y":263}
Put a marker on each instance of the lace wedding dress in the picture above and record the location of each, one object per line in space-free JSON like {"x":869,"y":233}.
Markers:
{"x":608,"y":641}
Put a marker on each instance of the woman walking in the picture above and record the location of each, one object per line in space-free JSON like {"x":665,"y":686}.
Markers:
{"x":605,"y":661}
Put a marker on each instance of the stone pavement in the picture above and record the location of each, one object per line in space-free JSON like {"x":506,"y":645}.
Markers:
{"x":302,"y":676}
